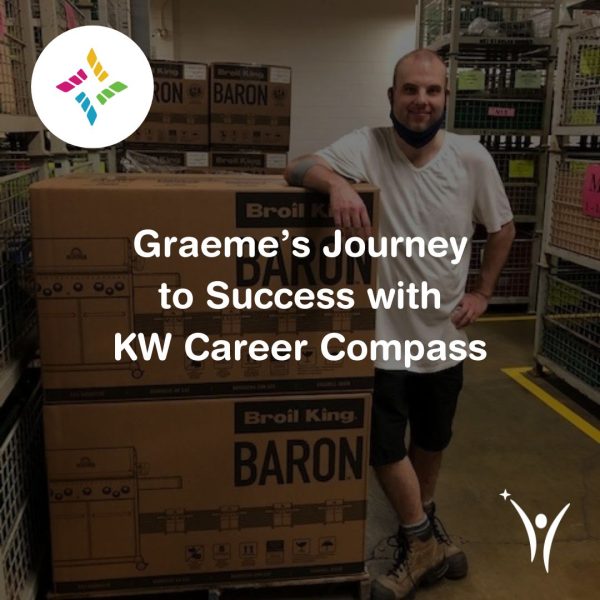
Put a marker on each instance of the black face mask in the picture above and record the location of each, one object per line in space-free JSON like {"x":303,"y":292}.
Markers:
{"x":417,"y":139}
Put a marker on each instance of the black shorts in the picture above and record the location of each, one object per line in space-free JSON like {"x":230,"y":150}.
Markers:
{"x":425,"y":400}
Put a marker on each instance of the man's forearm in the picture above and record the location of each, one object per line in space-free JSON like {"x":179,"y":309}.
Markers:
{"x":497,"y":248}
{"x":314,"y":173}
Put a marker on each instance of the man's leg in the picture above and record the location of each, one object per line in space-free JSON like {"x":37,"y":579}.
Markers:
{"x":431,"y":430}
{"x":426,"y":465}
{"x":419,"y":558}
{"x":401,"y":486}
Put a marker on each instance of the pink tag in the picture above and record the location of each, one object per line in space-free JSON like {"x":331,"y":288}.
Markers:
{"x":71,"y":16}
{"x":591,"y":191}
{"x":501,"y":111}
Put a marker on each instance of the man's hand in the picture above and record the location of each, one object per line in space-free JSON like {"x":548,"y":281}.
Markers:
{"x":349,"y":211}
{"x":469,"y":309}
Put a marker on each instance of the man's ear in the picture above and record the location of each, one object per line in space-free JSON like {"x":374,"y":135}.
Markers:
{"x":390,"y":94}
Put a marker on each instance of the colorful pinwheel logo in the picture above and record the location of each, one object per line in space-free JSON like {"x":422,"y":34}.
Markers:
{"x":103,"y":96}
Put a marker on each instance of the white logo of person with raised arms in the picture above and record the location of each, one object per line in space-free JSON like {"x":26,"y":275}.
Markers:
{"x":541,"y":520}
{"x":92,"y":87}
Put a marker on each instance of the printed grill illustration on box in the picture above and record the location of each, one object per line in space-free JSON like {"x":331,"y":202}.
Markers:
{"x":92,"y":284}
{"x":286,"y":499}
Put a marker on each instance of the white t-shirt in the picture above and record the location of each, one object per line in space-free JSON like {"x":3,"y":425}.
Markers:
{"x":458,"y":187}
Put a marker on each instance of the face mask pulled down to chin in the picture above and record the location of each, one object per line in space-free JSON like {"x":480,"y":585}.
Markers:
{"x":417,"y":139}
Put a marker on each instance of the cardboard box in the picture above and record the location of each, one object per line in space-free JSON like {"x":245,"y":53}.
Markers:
{"x":91,"y":284}
{"x":148,"y":159}
{"x":269,"y":163}
{"x":197,"y":492}
{"x":179,"y":111}
{"x":151,"y":160}
{"x":250,"y":106}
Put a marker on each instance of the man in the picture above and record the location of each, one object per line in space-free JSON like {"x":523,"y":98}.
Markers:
{"x":433,"y":183}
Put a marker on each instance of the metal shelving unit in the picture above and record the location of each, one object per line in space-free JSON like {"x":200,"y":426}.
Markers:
{"x":567,"y":338}
{"x":501,"y":58}
{"x":23,"y":522}
{"x":17,"y":299}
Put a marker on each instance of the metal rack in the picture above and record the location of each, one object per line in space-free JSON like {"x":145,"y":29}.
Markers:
{"x":521,"y":162}
{"x":17,"y":298}
{"x":23,"y":526}
{"x":578,"y":83}
{"x":567,"y":338}
{"x":448,"y":23}
{"x":501,"y":57}
{"x":568,"y":328}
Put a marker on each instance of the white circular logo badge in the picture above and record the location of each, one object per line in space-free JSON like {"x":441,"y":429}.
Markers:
{"x":92,"y":86}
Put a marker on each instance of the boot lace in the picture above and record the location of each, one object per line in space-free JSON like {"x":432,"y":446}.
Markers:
{"x":439,"y":531}
{"x":401,"y":549}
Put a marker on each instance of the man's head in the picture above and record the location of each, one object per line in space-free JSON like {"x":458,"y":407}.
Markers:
{"x":418,"y":94}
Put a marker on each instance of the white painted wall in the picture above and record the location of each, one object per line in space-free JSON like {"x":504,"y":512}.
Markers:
{"x":341,"y":52}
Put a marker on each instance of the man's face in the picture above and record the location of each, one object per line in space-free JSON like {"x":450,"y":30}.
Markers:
{"x":418,"y":97}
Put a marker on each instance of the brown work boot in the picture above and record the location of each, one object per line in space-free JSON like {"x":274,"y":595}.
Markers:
{"x":418,"y":560}
{"x":457,"y":560}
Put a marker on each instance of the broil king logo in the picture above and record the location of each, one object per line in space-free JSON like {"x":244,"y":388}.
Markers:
{"x":92,"y":87}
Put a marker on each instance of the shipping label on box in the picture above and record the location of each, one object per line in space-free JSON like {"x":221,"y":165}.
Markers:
{"x":137,"y":499}
{"x":95,"y":281}
{"x":250,"y":106}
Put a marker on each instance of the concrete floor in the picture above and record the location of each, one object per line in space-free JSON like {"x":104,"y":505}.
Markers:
{"x":504,"y":438}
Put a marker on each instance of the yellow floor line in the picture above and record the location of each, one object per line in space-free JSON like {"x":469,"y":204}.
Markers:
{"x":517,"y":374}
{"x":515,"y":318}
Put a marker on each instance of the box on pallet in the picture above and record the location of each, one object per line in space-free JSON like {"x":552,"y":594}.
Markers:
{"x":173,"y":492}
{"x":179,"y":111}
{"x":92,"y":284}
{"x":152,"y":160}
{"x":250,"y":106}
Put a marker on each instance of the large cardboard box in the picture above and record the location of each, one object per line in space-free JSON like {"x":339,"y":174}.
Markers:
{"x":92,"y":284}
{"x":151,"y":160}
{"x":250,"y":106}
{"x":192,"y":492}
{"x":179,"y":111}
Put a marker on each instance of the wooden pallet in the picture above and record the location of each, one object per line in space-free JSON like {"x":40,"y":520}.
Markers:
{"x":357,"y":585}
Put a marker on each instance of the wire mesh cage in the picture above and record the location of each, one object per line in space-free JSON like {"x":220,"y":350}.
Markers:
{"x":514,"y":283}
{"x":506,"y":19}
{"x":17,"y":299}
{"x":520,"y":257}
{"x":512,"y":286}
{"x":519,"y":165}
{"x":499,"y":88}
{"x":23,"y":525}
{"x":14,"y":82}
{"x":580,"y":102}
{"x":574,"y":225}
{"x":13,"y":162}
{"x":571,"y":325}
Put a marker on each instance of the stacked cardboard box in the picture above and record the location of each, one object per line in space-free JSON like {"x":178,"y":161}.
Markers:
{"x":247,"y":126}
{"x":179,"y":472}
{"x":250,"y":106}
{"x":178,"y":117}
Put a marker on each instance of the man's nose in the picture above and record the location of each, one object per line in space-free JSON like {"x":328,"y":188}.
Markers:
{"x":421,"y":97}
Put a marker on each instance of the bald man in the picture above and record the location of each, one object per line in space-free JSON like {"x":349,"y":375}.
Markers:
{"x":432,"y":183}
